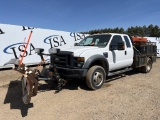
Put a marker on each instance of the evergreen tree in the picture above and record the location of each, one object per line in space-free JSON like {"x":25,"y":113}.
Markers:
{"x":150,"y":31}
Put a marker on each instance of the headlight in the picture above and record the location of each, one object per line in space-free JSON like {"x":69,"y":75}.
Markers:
{"x":78,"y":62}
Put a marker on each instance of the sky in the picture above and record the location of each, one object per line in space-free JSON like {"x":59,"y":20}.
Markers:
{"x":80,"y":15}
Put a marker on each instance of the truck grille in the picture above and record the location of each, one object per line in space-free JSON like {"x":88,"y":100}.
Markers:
{"x":63,"y":59}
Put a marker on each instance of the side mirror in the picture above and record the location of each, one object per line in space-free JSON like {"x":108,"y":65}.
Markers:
{"x":39,"y":50}
{"x":113,"y":47}
{"x":121,"y":46}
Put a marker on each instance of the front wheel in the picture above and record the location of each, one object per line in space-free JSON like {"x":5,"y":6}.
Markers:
{"x":147,"y":68}
{"x":95,"y":78}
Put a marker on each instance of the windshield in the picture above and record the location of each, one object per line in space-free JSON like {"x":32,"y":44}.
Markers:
{"x":95,"y":40}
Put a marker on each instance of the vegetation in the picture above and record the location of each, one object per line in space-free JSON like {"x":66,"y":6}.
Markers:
{"x":145,"y":31}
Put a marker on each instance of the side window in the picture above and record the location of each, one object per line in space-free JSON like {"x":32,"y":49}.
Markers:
{"x":127,"y":41}
{"x":116,"y":39}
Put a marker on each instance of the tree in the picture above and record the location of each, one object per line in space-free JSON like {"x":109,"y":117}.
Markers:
{"x":150,"y":31}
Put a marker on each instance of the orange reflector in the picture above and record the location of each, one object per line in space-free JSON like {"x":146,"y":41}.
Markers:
{"x":80,"y":59}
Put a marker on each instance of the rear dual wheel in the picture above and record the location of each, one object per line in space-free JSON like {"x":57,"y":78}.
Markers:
{"x":148,"y":67}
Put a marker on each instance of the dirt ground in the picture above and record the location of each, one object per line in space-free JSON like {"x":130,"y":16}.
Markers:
{"x":131,"y":96}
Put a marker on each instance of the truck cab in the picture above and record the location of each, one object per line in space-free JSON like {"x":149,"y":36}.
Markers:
{"x":117,"y":49}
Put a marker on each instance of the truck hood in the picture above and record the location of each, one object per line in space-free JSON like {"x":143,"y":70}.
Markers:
{"x":78,"y":50}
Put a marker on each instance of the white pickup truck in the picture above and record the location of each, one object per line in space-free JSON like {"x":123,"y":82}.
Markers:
{"x":101,"y":55}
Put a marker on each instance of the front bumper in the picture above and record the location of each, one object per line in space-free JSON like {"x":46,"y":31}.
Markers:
{"x":72,"y":73}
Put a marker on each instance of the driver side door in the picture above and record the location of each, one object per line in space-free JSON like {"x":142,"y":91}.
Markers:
{"x":116,"y":58}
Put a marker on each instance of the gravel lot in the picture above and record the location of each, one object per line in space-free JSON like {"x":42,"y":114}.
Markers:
{"x":131,"y":96}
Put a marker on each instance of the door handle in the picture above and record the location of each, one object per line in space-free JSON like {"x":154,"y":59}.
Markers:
{"x":125,"y":52}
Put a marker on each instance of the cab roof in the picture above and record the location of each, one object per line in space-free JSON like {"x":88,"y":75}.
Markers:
{"x":108,"y":34}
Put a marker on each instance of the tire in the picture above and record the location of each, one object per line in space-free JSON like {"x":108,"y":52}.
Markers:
{"x":148,"y":67}
{"x":25,"y":91}
{"x":95,"y":78}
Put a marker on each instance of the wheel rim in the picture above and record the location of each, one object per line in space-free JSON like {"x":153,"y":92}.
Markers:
{"x":98,"y":78}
